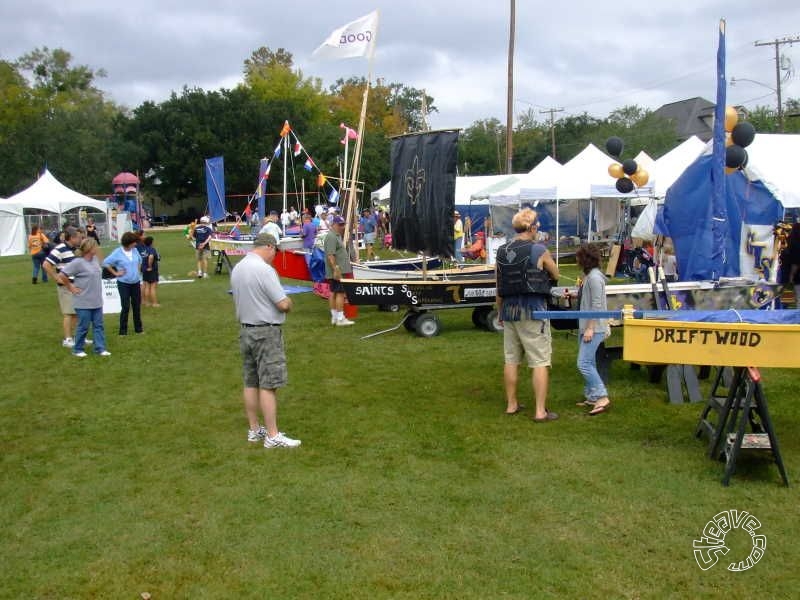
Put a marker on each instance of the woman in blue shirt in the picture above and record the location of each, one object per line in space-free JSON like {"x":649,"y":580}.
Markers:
{"x":125,"y":263}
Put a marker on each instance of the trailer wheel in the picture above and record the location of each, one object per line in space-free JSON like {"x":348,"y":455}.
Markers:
{"x":411,"y":322}
{"x":479,"y":314}
{"x":493,"y":323}
{"x":427,"y":325}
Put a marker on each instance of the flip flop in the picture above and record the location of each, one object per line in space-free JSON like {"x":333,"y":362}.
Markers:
{"x":600,"y":409}
{"x":584,"y":403}
{"x":551,"y":416}
{"x":520,"y":408}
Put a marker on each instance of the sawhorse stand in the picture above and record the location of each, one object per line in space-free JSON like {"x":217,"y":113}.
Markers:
{"x":222,"y":260}
{"x":744,"y":403}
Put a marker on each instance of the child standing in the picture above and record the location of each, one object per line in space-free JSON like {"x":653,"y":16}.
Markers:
{"x":150,"y":260}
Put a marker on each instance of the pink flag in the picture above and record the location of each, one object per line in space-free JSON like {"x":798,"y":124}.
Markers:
{"x":297,"y":148}
{"x":349,"y":134}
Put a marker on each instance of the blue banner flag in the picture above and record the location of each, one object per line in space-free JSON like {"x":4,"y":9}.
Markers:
{"x":719,"y":213}
{"x":263,"y":175}
{"x":215,"y":188}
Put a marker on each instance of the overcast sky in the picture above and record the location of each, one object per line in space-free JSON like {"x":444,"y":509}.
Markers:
{"x":578,"y":55}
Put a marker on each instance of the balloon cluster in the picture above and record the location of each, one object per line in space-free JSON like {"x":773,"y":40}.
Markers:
{"x":629,"y":173}
{"x":737,"y":137}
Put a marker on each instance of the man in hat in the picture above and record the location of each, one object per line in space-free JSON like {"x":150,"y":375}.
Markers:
{"x":337,"y":265}
{"x":370,"y":226}
{"x":458,"y":234}
{"x":261,"y":307}
{"x":202,"y":238}
{"x":62,"y":254}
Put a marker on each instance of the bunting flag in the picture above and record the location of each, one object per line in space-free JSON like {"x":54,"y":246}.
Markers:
{"x":356,"y":39}
{"x":297,"y":148}
{"x":321,"y":179}
{"x":286,"y":129}
{"x":333,"y":196}
{"x":349,"y":133}
{"x":248,"y":211}
{"x":277,"y":153}
{"x":309,"y":164}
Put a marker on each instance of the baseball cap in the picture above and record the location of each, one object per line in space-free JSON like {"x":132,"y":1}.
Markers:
{"x":265,"y":239}
{"x":337,"y":220}
{"x":273,"y":212}
{"x":456,"y":213}
{"x":205,"y":220}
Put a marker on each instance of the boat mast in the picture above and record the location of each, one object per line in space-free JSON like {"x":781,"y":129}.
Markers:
{"x":285,"y":160}
{"x":510,"y":98}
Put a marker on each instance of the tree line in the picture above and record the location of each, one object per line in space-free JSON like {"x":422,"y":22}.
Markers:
{"x":53,"y":113}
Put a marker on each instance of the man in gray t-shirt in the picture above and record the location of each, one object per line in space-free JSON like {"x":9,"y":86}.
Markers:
{"x":261,"y":307}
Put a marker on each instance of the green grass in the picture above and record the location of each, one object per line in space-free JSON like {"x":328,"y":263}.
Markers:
{"x":132,"y":474}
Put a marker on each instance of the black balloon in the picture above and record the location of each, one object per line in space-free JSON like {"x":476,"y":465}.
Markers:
{"x":624,"y":185}
{"x":735,"y":156}
{"x":743,"y":134}
{"x":629,"y":166}
{"x":614,"y":146}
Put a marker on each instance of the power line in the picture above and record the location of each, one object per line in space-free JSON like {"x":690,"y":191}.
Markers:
{"x":778,"y":42}
{"x":552,"y":111}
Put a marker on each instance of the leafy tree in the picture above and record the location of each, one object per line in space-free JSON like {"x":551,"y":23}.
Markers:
{"x":482,"y":148}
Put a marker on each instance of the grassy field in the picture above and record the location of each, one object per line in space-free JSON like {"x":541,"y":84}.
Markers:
{"x":131,"y":474}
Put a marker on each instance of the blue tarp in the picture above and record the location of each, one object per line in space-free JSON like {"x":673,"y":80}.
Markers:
{"x":774,"y":317}
{"x":688,"y":216}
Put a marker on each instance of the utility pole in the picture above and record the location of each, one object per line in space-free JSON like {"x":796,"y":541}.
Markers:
{"x":510,"y":98}
{"x":552,"y":111}
{"x":778,"y":43}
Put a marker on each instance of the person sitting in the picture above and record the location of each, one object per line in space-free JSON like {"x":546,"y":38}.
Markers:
{"x":477,"y":249}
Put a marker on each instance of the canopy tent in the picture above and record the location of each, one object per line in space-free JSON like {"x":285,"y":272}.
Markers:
{"x":773,"y":161}
{"x":671,"y":165}
{"x":12,"y":229}
{"x":49,"y":194}
{"x":46,"y":195}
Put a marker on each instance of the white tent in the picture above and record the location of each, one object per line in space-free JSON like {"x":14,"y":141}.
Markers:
{"x":772,"y":158}
{"x":669,"y":167}
{"x":13,"y":241}
{"x":49,"y":194}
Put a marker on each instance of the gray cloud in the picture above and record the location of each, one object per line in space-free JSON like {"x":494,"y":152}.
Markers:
{"x":580,"y":55}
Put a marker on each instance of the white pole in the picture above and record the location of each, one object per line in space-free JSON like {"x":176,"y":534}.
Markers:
{"x":285,"y":161}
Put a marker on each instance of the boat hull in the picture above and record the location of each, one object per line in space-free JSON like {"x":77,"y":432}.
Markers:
{"x":288,"y":263}
{"x":429,"y":294}
{"x":684,"y":295}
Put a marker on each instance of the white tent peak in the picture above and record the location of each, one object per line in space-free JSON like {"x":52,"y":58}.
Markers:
{"x":48,"y":193}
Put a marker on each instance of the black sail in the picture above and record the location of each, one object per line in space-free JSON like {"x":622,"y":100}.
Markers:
{"x":423,"y":192}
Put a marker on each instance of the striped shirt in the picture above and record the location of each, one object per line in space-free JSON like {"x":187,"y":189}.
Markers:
{"x":61,"y":255}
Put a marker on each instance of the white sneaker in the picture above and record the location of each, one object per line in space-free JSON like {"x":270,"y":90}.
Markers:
{"x":68,"y":342}
{"x":344,"y":322}
{"x":205,"y":275}
{"x":256,"y":435}
{"x":105,"y":353}
{"x":280,"y":441}
{"x":333,"y":320}
{"x":79,"y":354}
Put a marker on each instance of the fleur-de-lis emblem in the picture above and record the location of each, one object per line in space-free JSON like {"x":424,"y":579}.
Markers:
{"x":415,"y":181}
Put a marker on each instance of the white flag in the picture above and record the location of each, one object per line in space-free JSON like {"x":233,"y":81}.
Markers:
{"x":353,"y":40}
